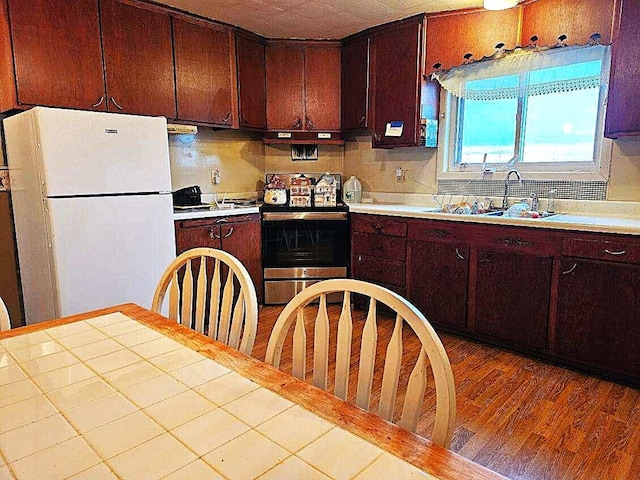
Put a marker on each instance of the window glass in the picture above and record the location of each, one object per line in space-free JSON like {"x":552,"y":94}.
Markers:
{"x":488,"y":126}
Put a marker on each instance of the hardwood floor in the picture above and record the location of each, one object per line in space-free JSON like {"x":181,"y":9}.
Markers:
{"x":520,"y":417}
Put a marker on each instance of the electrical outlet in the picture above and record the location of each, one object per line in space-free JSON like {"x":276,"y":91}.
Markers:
{"x":401,"y":175}
{"x":215,"y":176}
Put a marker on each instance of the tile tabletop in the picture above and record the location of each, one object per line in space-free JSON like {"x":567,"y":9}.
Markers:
{"x":110,"y":397}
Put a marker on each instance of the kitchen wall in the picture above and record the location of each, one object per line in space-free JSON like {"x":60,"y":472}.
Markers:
{"x":376,"y":168}
{"x":238,"y":155}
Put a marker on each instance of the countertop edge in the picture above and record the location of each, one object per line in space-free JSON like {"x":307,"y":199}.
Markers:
{"x":573,"y":222}
{"x":212,"y":213}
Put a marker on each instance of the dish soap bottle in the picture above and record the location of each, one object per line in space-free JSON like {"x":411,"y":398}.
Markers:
{"x":352,"y":190}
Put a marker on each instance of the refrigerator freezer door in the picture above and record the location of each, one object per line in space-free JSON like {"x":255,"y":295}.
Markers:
{"x":94,"y":153}
{"x":109,"y":250}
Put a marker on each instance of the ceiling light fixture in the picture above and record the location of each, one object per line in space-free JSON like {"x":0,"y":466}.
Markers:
{"x":499,"y":4}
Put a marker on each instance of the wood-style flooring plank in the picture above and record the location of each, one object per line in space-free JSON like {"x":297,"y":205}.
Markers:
{"x":525,"y":419}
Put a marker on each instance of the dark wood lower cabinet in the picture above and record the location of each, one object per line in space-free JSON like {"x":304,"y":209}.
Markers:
{"x":437,"y":280}
{"x":512,"y":297}
{"x":238,"y":235}
{"x":598,"y":321}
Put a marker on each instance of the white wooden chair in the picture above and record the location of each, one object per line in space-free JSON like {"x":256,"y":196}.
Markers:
{"x":217,"y":310}
{"x":432,"y":349}
{"x":5,"y":322}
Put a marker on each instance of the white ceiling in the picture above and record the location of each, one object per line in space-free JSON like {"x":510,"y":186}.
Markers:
{"x":334,"y":19}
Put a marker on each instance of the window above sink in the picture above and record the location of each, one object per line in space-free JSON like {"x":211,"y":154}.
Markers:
{"x":542,"y":112}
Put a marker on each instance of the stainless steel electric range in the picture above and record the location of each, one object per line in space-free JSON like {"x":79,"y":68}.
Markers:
{"x":301,"y":246}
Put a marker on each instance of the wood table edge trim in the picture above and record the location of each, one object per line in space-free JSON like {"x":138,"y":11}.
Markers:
{"x":419,"y":451}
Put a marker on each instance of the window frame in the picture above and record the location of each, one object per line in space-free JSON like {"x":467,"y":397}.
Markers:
{"x":597,"y":170}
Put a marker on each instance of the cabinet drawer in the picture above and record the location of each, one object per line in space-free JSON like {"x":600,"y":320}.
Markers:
{"x":377,"y":224}
{"x":611,"y":250}
{"x":437,"y":231}
{"x":377,"y":270}
{"x":381,"y":246}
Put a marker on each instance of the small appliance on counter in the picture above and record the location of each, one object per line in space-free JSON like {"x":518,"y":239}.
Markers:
{"x":187,"y":197}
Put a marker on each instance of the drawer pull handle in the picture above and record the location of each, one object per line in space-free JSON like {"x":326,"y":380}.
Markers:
{"x":575,"y":265}
{"x":113,"y":100}
{"x":99,"y":102}
{"x":621,"y":252}
{"x":221,"y":220}
{"x":377,"y":227}
{"x":460,"y":256}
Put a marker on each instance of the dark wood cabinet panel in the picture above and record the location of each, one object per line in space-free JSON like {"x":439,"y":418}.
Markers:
{"x":598,"y":311}
{"x":577,"y":20}
{"x":9,"y":282}
{"x":205,"y":73}
{"x":623,"y":107}
{"x":452,"y":36}
{"x":138,"y":57}
{"x":8,"y":98}
{"x":384,"y":246}
{"x":251,"y":82}
{"x":285,"y":83}
{"x":437,"y":281}
{"x":395,"y":83}
{"x":355,"y":84}
{"x":322,"y":88}
{"x":57,"y":53}
{"x":379,"y":224}
{"x":512,"y":294}
{"x":378,"y":270}
{"x":238,"y":235}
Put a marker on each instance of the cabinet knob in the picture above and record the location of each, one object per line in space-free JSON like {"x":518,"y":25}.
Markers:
{"x":243,"y":119}
{"x":227,"y":118}
{"x":99,"y":102}
{"x":575,"y":265}
{"x":363,"y":120}
{"x":297,"y":124}
{"x":459,"y":255}
{"x":377,"y":137}
{"x":113,"y":100}
{"x":213,"y":235}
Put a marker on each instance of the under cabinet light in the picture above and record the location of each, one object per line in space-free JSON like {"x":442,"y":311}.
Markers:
{"x":499,"y":4}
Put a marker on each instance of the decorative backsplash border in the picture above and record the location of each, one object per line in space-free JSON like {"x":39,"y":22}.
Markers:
{"x":590,"y":190}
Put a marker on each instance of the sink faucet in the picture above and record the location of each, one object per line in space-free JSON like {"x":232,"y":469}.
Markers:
{"x":534,"y":202}
{"x":505,"y":202}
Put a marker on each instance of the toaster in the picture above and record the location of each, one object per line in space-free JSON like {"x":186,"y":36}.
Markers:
{"x":188,"y":196}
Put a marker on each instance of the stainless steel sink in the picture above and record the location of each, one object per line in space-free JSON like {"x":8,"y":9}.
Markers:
{"x":500,"y":213}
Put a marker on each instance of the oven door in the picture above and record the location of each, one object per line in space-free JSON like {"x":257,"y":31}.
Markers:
{"x":305,"y":239}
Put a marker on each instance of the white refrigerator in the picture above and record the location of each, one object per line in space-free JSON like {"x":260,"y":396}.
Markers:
{"x":91,"y":196}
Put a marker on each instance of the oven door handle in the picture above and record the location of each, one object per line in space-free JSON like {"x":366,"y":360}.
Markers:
{"x":279,"y":216}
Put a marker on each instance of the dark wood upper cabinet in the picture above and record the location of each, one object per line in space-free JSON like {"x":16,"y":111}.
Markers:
{"x":285,"y":83}
{"x":322,"y":87}
{"x":138,"y":57}
{"x":623,"y":107}
{"x":252,"y":93}
{"x":57,"y":53}
{"x":355,"y":84}
{"x":205,"y":73}
{"x":303,"y":86}
{"x":396,"y":77}
{"x":577,"y":20}
{"x":453,"y":36}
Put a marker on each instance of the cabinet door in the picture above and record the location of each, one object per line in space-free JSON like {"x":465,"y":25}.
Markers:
{"x":322,"y":88}
{"x":243,"y":241}
{"x":512,"y":297}
{"x":395,"y":85}
{"x":623,"y":108}
{"x":378,"y":270}
{"x":285,"y":81}
{"x":598,"y":309}
{"x":57,"y":53}
{"x":202,"y":233}
{"x":138,"y":57}
{"x":205,"y":73}
{"x":575,"y":19}
{"x":451,"y":37}
{"x":438,"y":275}
{"x":251,"y":82}
{"x":355,"y":84}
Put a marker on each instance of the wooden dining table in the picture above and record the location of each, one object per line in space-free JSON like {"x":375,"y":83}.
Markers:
{"x":126,"y":393}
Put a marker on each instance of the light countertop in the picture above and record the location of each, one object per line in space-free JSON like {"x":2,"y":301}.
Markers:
{"x":609,"y":223}
{"x":214,"y":212}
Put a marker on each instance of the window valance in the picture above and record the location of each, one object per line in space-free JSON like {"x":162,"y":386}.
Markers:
{"x":500,"y":78}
